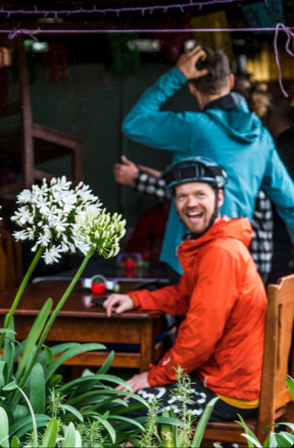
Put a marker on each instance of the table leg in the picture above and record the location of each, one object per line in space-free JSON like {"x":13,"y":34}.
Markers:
{"x":147,"y":345}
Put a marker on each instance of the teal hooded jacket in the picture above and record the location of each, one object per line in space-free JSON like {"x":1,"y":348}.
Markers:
{"x":234,"y":139}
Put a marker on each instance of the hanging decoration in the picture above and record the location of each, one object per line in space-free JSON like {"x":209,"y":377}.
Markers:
{"x":218,"y":39}
{"x":117,"y":11}
{"x":125,"y":57}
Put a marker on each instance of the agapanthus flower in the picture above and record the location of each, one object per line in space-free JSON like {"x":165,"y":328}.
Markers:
{"x":48,"y":214}
{"x":101,"y":231}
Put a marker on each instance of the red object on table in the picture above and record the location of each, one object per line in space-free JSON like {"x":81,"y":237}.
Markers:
{"x":129,"y":263}
{"x":98,"y":287}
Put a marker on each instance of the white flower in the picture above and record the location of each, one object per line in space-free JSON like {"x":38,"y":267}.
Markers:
{"x":48,"y":215}
{"x":24,"y":197}
{"x":51,"y":255}
{"x":21,"y":235}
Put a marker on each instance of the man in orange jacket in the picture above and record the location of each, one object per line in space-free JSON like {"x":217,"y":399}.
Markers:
{"x":220,"y":342}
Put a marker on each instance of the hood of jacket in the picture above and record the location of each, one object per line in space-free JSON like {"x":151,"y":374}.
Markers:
{"x":232,"y":114}
{"x":238,"y":228}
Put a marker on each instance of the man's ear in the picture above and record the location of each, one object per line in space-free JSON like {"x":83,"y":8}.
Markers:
{"x":231,"y":81}
{"x":192,"y":88}
{"x":221,"y":198}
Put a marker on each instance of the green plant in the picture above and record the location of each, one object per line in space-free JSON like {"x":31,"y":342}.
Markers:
{"x":176,"y":432}
{"x":273,"y":440}
{"x":32,"y":395}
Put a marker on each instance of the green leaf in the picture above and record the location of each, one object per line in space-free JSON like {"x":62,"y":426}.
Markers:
{"x":23,"y":426}
{"x":107,"y":363}
{"x":73,"y":411}
{"x":70,"y":437}
{"x":10,"y":386}
{"x":42,"y":420}
{"x":284,"y":439}
{"x":7,"y":330}
{"x":253,"y":440}
{"x":166,"y":434}
{"x":50,"y":436}
{"x":201,"y":425}
{"x":35,"y":434}
{"x":20,"y":412}
{"x":4,"y":429}
{"x":93,"y":380}
{"x":89,"y":397}
{"x":54,"y":380}
{"x":109,"y":428}
{"x":131,"y":421}
{"x":38,"y":390}
{"x":3,"y":373}
{"x":49,"y":356}
{"x":34,"y":336}
{"x":290,"y":425}
{"x":69,"y":354}
{"x":248,"y":432}
{"x":290,"y":384}
{"x":14,"y":442}
{"x":78,"y":440}
{"x":270,"y":441}
{"x":59,"y":348}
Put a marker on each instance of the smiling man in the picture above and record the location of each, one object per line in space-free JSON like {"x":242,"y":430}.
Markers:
{"x":220,"y":294}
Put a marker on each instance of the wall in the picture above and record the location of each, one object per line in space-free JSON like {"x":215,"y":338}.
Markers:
{"x":91,"y":105}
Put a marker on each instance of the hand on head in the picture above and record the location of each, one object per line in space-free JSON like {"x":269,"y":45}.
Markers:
{"x":187,"y":63}
{"x":125,"y":172}
{"x":118,"y":303}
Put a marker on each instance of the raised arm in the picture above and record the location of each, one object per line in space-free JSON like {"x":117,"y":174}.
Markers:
{"x":148,"y":125}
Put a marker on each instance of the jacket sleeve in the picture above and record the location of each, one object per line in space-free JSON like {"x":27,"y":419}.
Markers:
{"x":147,"y":125}
{"x":156,"y":187}
{"x":279,"y":187}
{"x":173,"y":300}
{"x":212,"y":300}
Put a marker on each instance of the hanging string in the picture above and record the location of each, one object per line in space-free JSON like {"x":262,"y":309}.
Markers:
{"x":117,"y":11}
{"x":290,"y":40}
{"x":279,"y":27}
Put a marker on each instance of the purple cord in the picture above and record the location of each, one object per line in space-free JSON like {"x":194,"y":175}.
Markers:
{"x":280,"y":26}
{"x":143,"y":10}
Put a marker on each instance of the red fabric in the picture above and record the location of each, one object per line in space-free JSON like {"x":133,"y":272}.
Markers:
{"x":149,"y":231}
{"x":224,"y":301}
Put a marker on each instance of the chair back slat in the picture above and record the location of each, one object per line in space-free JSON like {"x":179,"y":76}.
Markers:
{"x":278,"y":335}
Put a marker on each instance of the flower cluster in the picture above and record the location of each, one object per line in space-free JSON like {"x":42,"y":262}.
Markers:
{"x":102,"y":231}
{"x":48,"y":216}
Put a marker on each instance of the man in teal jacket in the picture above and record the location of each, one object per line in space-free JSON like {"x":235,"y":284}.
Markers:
{"x":224,"y":130}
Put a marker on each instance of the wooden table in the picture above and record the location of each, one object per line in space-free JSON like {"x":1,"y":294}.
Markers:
{"x":79,"y":323}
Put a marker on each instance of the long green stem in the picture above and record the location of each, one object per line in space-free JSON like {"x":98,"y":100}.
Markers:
{"x":54,"y":315}
{"x":20,"y":291}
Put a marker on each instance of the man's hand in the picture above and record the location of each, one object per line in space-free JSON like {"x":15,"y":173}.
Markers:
{"x":150,"y":171}
{"x":187,"y":63}
{"x":137,"y":382}
{"x":125,"y":172}
{"x":118,"y":303}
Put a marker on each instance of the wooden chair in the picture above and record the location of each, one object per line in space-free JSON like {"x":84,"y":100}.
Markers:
{"x":275,"y":399}
{"x":32,"y":143}
{"x":11,"y":269}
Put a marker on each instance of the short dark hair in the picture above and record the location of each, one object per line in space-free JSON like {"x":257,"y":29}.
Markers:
{"x":218,"y":66}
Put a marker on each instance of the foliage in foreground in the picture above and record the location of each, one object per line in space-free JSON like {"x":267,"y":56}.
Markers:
{"x":281,"y":439}
{"x":176,"y":432}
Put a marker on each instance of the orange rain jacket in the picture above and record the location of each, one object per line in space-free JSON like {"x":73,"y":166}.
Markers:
{"x":224,"y":301}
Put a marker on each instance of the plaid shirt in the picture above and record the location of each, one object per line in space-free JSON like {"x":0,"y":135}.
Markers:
{"x":261,"y":247}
